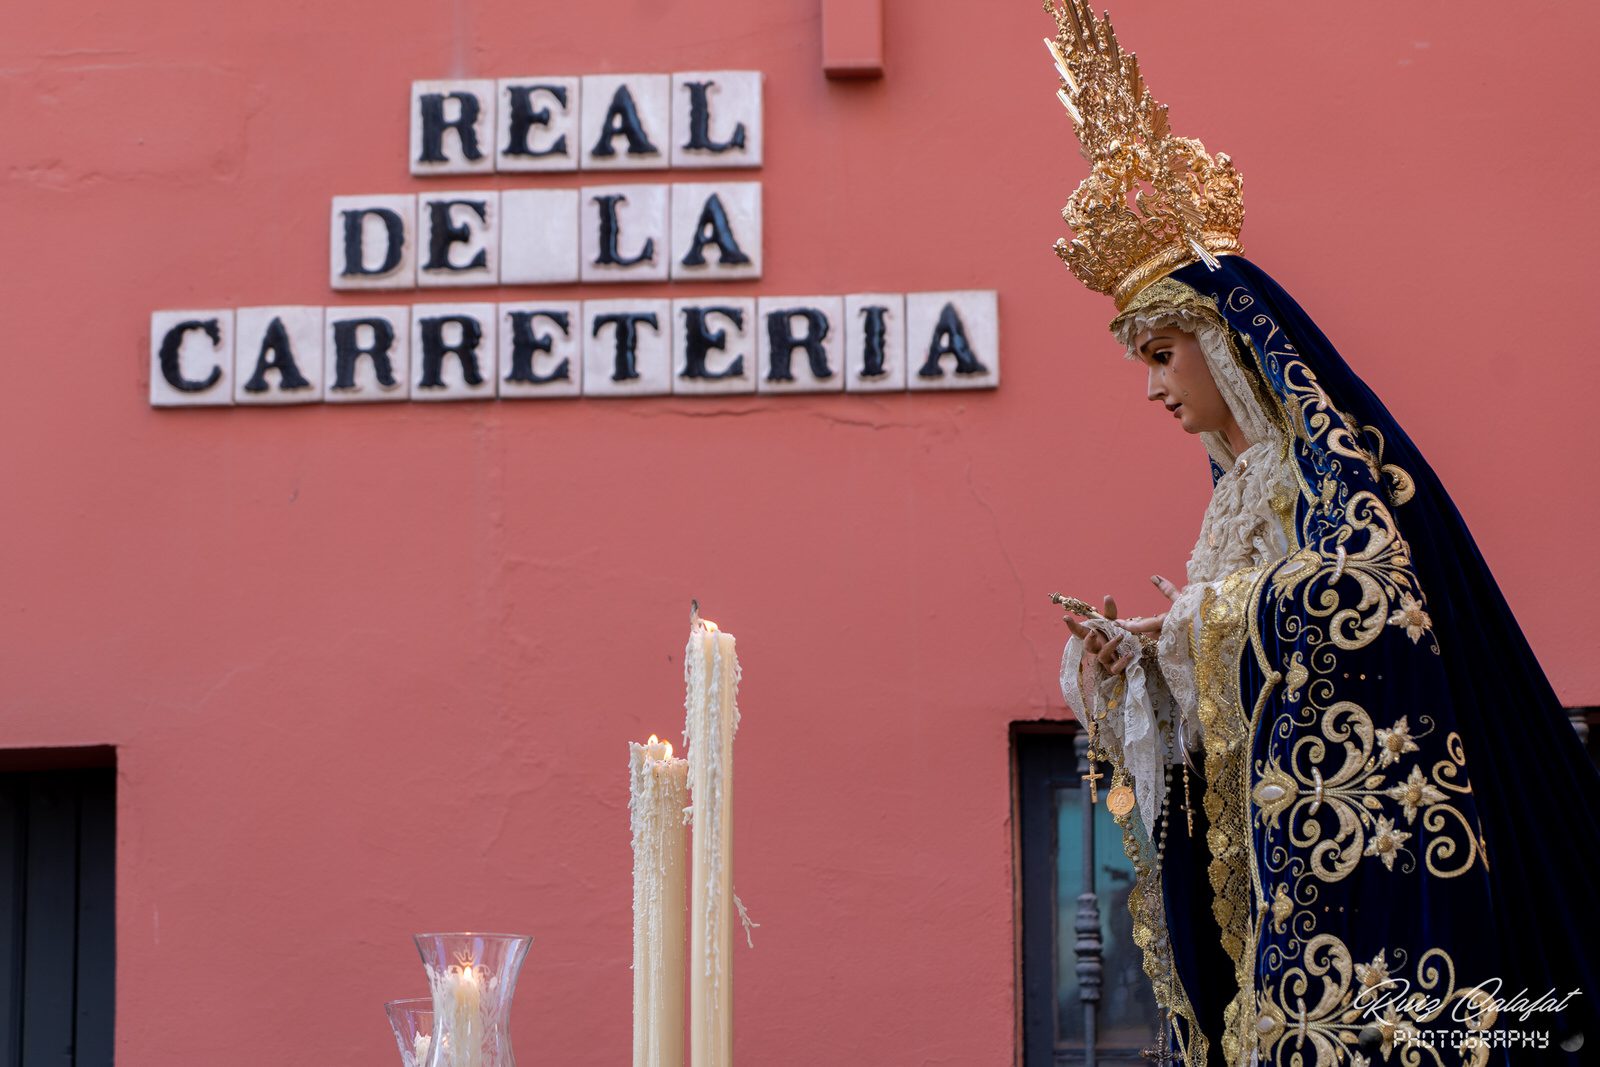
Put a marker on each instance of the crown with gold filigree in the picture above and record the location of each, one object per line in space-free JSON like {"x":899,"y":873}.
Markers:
{"x":1186,"y":205}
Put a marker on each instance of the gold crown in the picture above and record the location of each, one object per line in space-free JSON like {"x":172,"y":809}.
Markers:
{"x":1187,"y":205}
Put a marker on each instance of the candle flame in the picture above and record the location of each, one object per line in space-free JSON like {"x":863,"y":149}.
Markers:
{"x":669,"y":748}
{"x":710,"y":626}
{"x":654,"y":740}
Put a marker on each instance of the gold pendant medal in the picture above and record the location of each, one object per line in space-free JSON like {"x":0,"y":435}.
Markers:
{"x":1119,"y":801}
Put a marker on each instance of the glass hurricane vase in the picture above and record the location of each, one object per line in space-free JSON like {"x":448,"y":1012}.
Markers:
{"x":412,"y":1020}
{"x":472,"y":978}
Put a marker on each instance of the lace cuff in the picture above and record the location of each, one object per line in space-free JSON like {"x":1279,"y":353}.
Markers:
{"x":1133,"y":714}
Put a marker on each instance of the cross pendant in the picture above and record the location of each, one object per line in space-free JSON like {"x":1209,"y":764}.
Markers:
{"x":1093,"y":778}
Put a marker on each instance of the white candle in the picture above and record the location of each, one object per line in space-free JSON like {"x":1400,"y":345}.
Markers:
{"x":658,"y":794}
{"x":464,"y":1002}
{"x":711,"y":675}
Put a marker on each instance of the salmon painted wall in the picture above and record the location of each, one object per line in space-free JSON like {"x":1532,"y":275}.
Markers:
{"x":372,"y":670}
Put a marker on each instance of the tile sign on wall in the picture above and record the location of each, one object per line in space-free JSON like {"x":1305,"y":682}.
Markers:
{"x":605,"y":231}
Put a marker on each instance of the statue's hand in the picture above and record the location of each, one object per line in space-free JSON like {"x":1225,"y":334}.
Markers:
{"x":1096,"y":646}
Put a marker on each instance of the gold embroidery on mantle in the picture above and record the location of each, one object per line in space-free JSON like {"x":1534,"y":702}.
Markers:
{"x":1327,"y":1000}
{"x":1222,"y":627}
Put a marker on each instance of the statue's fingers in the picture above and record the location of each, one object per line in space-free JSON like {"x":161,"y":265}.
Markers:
{"x":1144,"y":625}
{"x":1168,"y":590}
{"x":1078,"y":629}
{"x":1110,"y":609}
{"x":1122,"y":663}
{"x":1108,"y":655}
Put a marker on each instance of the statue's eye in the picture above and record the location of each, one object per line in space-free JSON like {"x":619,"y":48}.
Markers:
{"x":1163,"y":357}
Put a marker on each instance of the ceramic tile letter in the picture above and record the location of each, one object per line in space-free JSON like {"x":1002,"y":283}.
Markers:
{"x":538,"y":127}
{"x":541,"y":350}
{"x":716,"y":119}
{"x":452,"y":127}
{"x":626,"y":122}
{"x":538,"y":236}
{"x":953,"y":340}
{"x":372,"y":242}
{"x":875,"y":342}
{"x":277,"y":355}
{"x":627,"y":347}
{"x":453,"y":351}
{"x":714,"y":345}
{"x":191,"y":358}
{"x":716,"y":231}
{"x":801,"y":341}
{"x":624,"y":230}
{"x":366,"y":354}
{"x":458,"y":238}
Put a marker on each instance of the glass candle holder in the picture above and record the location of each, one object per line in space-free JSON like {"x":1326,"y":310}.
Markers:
{"x":472,"y":978}
{"x":412,"y":1021}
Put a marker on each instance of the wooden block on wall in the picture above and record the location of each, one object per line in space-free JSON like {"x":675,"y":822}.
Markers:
{"x":852,"y":38}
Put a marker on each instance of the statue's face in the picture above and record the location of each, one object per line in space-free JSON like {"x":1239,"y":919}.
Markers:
{"x":1180,"y":380}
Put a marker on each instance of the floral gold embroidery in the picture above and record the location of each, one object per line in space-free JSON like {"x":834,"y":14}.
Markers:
{"x":1411,"y":617}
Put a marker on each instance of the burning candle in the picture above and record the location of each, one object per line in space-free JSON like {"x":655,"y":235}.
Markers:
{"x":711,"y":675}
{"x":658,"y":795}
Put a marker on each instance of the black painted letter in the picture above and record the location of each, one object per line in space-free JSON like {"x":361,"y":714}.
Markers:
{"x":173,"y":342}
{"x":627,"y":365}
{"x":431,"y":337}
{"x":702,"y":341}
{"x":780,"y":333}
{"x":524,"y":118}
{"x":434,"y":124}
{"x":354,"y":261}
{"x":713,"y":228}
{"x":950,"y":339}
{"x":276,"y":342}
{"x":443,"y":232}
{"x":610,"y":231}
{"x":700,"y":122}
{"x":622,"y":120}
{"x":525,"y":344}
{"x":873,"y":333}
{"x":347,"y":349}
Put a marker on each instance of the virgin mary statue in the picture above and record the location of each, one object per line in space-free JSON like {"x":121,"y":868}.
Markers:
{"x":1384,"y":833}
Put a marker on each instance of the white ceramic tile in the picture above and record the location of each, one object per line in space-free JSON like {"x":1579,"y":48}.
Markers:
{"x":374,"y":346}
{"x":452,"y":124}
{"x":543,"y":341}
{"x":616,"y":105}
{"x":458,"y":238}
{"x":191,"y":358}
{"x":624,"y":233}
{"x":538,"y":236}
{"x":716,"y":119}
{"x":278,"y":351}
{"x":875,"y":330}
{"x":372,"y":242}
{"x":538,"y":124}
{"x":453,"y":351}
{"x":716,"y":230}
{"x":719,"y":335}
{"x":815,"y":324}
{"x":937,"y":324}
{"x":606,"y":352}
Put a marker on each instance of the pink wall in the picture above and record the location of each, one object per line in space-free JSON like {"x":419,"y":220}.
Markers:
{"x":372,"y":670}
